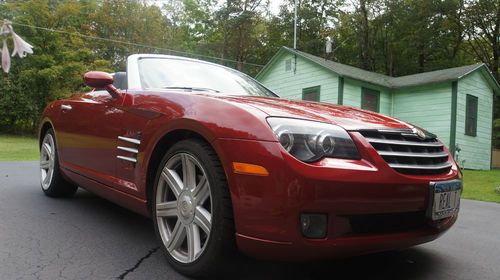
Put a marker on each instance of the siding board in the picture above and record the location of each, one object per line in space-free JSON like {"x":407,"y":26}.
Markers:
{"x":427,"y":107}
{"x":476,"y":150}
{"x":289,"y":84}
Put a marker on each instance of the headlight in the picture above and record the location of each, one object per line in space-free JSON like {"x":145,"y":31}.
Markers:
{"x":310,"y":141}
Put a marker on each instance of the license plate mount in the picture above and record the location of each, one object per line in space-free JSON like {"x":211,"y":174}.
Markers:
{"x":444,"y":199}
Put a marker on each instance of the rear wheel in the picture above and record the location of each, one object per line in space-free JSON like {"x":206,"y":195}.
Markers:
{"x":51,"y":180}
{"x":192,"y":210}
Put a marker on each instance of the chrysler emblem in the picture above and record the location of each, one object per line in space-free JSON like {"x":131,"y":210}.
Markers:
{"x":420,"y":134}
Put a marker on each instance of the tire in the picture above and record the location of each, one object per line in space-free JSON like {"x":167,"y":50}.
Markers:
{"x":51,"y":180}
{"x":193,"y":218}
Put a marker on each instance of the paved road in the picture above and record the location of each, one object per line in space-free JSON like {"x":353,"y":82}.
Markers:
{"x":87,"y":237}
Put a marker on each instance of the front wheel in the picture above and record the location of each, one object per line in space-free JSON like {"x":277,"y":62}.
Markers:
{"x":192,"y":210}
{"x":51,"y":180}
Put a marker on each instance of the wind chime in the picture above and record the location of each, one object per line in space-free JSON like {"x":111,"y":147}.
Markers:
{"x":21,"y":47}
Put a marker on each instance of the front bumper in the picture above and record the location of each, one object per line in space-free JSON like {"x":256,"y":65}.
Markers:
{"x":353,"y":194}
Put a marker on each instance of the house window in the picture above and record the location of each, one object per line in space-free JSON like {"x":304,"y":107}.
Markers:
{"x":288,"y":65}
{"x":471,"y":115}
{"x":311,"y":94}
{"x":370,"y":99}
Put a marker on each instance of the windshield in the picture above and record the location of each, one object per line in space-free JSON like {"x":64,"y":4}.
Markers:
{"x":171,"y":73}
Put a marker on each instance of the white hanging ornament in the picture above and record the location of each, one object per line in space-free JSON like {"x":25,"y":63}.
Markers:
{"x":21,"y":47}
{"x":5,"y":57}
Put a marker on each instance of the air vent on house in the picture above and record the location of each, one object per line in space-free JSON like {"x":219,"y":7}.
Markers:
{"x":288,"y":65}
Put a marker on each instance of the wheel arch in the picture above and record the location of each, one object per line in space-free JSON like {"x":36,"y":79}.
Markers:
{"x":45,"y":125}
{"x":161,"y":147}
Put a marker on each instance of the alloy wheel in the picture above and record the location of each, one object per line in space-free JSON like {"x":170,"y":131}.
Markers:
{"x":184,"y":207}
{"x":47,"y":158}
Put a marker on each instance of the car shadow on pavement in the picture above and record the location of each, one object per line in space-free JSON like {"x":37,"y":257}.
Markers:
{"x":413,"y":263}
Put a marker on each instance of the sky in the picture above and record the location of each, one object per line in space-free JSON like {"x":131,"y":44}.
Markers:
{"x":274,"y":5}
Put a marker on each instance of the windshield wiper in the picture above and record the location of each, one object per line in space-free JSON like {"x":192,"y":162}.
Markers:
{"x":193,"y":89}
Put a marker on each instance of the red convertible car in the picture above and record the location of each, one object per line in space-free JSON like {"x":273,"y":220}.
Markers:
{"x":220,"y":163}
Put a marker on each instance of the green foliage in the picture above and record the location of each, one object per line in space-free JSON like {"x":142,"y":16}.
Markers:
{"x":395,"y":37}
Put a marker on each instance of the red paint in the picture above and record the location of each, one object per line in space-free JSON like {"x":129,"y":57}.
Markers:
{"x":266,"y":208}
{"x":98,"y":79}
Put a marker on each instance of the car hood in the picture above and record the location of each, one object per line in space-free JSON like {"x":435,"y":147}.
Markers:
{"x":348,"y":117}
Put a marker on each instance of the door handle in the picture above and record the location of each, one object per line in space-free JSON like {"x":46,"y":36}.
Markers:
{"x":66,"y":107}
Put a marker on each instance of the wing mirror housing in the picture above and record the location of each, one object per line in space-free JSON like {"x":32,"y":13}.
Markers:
{"x":101,"y":80}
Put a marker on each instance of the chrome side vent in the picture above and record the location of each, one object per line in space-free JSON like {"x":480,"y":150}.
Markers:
{"x":409,"y":153}
{"x":130,"y":140}
{"x":129,"y":147}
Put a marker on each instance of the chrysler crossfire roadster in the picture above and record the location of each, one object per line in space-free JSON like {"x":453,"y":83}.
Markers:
{"x":221,"y":164}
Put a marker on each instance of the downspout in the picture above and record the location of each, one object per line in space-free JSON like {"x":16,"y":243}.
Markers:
{"x":453,"y":124}
{"x":392,"y":103}
{"x":492,"y":128}
{"x":340,"y":91}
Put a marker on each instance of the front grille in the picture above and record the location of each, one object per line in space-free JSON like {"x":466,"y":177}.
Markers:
{"x":391,"y":222}
{"x":406,"y":153}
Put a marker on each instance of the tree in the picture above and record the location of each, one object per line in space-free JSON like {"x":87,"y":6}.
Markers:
{"x":483,"y":29}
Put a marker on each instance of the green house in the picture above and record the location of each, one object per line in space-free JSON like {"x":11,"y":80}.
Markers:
{"x":456,"y":104}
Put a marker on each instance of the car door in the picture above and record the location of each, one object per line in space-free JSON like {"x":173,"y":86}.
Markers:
{"x":87,"y":142}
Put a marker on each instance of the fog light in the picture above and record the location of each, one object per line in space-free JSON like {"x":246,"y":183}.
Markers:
{"x":313,"y":225}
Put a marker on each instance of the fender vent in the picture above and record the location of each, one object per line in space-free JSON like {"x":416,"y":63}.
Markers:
{"x":129,"y":149}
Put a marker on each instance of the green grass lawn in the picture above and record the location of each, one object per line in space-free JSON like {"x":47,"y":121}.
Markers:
{"x":18,"y":148}
{"x":480,"y":185}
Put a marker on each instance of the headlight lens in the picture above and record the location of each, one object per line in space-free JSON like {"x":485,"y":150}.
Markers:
{"x":310,"y":141}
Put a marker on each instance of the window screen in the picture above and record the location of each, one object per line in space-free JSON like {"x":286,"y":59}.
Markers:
{"x":311,"y":94}
{"x":471,"y":115}
{"x":370,"y":99}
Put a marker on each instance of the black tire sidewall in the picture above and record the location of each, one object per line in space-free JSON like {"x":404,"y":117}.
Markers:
{"x":204,"y":265}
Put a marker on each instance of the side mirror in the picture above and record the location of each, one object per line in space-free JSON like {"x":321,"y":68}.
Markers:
{"x":98,"y":79}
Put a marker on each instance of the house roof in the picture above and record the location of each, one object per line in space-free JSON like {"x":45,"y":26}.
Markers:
{"x":343,"y":70}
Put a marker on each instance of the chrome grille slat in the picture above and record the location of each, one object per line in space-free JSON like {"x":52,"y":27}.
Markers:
{"x":425,"y":167}
{"x":410,"y":154}
{"x":407,"y":153}
{"x":404,"y":143}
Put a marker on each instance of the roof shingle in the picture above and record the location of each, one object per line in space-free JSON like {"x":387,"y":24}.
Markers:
{"x":438,"y":76}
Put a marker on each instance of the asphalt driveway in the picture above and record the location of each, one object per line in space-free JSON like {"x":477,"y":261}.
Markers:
{"x":87,"y":237}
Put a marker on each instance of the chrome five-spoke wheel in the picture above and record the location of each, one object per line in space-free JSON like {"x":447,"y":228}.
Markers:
{"x":184,"y":207}
{"x":47,"y":157}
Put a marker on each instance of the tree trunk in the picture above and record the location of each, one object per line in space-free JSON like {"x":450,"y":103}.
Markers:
{"x":496,"y":46}
{"x":366,"y":61}
{"x":241,"y":36}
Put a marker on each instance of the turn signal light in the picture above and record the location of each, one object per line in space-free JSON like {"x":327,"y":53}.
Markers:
{"x":250,"y":169}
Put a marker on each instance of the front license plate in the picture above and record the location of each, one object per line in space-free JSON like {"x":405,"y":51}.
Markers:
{"x":445,"y":198}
